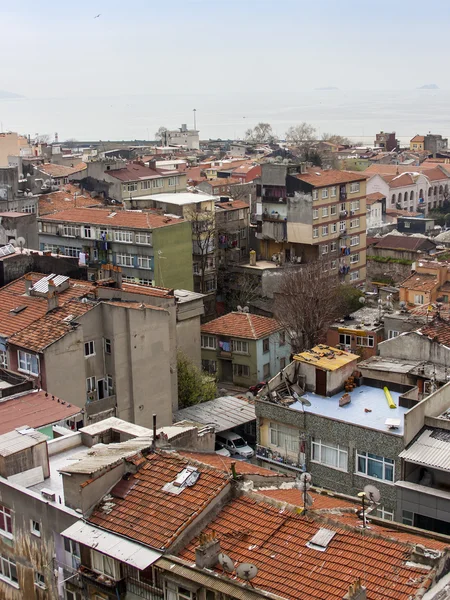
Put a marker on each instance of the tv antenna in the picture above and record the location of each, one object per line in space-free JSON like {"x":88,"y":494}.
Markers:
{"x":304,"y":484}
{"x":21,"y":243}
{"x":369,"y":500}
{"x":226,"y":562}
{"x":247,"y":572}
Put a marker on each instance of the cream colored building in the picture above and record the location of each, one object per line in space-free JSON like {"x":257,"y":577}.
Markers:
{"x":12,"y":144}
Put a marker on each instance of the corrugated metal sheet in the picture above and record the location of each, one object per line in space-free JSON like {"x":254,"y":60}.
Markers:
{"x":13,"y":441}
{"x":224,"y":413}
{"x":131,"y":553}
{"x":429,"y":450}
{"x":41,"y":286}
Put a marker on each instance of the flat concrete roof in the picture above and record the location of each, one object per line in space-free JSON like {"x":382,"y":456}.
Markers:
{"x":224,"y":413}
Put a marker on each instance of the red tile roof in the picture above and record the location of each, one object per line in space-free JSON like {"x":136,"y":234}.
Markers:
{"x":321,"y":501}
{"x":422,"y":282}
{"x":223,"y":463}
{"x":418,"y":138}
{"x":222,"y":181}
{"x":401,"y":180}
{"x":135,"y":172}
{"x":275,"y":541}
{"x":375,"y":197}
{"x":148,"y":290}
{"x":438,"y":330}
{"x":69,"y":197}
{"x":396,"y":212}
{"x":156,"y":517}
{"x":232,"y":204}
{"x":14,"y":295}
{"x":320,"y":178}
{"x":403,"y":242}
{"x":131,"y":219}
{"x":35,"y":409}
{"x":57,"y":171}
{"x":242,"y":325}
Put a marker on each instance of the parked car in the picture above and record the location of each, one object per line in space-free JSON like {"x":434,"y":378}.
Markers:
{"x":219,"y":449}
{"x":235,"y":444}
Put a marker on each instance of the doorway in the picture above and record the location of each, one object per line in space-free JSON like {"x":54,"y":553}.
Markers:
{"x":321,"y":382}
{"x":227,"y":370}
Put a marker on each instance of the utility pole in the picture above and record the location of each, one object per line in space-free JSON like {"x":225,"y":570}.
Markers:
{"x":195,"y":119}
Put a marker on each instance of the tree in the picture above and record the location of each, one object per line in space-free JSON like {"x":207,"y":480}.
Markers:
{"x":193,"y":385}
{"x":302,"y":135}
{"x":71,"y":143}
{"x":43,"y":138}
{"x":349,"y":299}
{"x":204,"y":234}
{"x":160,"y":135}
{"x":307,"y":303}
{"x":336,"y":139}
{"x":261,"y":134}
{"x":238,"y":289}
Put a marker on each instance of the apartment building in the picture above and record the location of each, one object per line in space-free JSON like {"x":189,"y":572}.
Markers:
{"x":306,"y":214}
{"x":151,"y":249}
{"x":181,"y":137}
{"x":232,"y":220}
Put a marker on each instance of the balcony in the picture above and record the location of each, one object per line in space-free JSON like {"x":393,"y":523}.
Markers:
{"x":96,"y":405}
{"x":272,"y":456}
{"x":101,"y":582}
{"x":343,"y":233}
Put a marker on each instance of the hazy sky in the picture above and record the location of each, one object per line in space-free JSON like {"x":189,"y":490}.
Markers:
{"x":57,"y":48}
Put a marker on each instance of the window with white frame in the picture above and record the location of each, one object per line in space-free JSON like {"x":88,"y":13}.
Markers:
{"x":333,"y":247}
{"x":333,"y":191}
{"x":354,"y":258}
{"x":89,"y":348}
{"x":143,"y":238}
{"x":35,"y":527}
{"x":87,"y":231}
{"x":354,"y":223}
{"x":123,"y":236}
{"x":28,"y":363}
{"x":354,"y":240}
{"x":209,"y":342}
{"x":239,"y":346}
{"x":365,"y":341}
{"x":29,"y":208}
{"x":210,"y":285}
{"x":49,"y":228}
{"x":372,"y":465}
{"x":71,"y":251}
{"x":185,"y":594}
{"x":124,"y":260}
{"x":315,"y":232}
{"x":8,"y":570}
{"x":71,"y":230}
{"x":333,"y":210}
{"x":105,"y":565}
{"x":342,"y":208}
{"x":382,"y":513}
{"x":145,"y":185}
{"x":354,"y":275}
{"x":333,"y":228}
{"x":3,"y":359}
{"x":392,"y":333}
{"x":241,"y":370}
{"x":145,"y":262}
{"x":325,"y":266}
{"x":333,"y":265}
{"x":418,"y":299}
{"x":407,"y":517}
{"x":325,"y":211}
{"x":354,"y":187}
{"x":345,"y":339}
{"x":173,"y":181}
{"x":132,"y":186}
{"x":284,"y":437}
{"x":315,"y":194}
{"x":243,"y":233}
{"x":330,"y":455}
{"x":342,"y":226}
{"x":315,"y":213}
{"x":158,"y":183}
{"x":324,"y":230}
{"x":354,"y":205}
{"x":73,"y":555}
{"x":324,"y":193}
{"x":39,"y":580}
{"x":71,"y":595}
{"x":90,"y":384}
{"x":208,"y":365}
{"x":107,"y":343}
{"x":325,"y":249}
{"x":5,"y":521}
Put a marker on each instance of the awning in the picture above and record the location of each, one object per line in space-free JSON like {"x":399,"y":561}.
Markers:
{"x":113,"y":545}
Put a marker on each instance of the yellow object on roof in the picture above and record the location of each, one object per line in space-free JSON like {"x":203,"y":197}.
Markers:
{"x":326,"y":357}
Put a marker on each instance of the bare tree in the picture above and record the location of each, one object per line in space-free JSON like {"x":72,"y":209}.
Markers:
{"x":302,"y":135}
{"x":42,"y":138}
{"x":204,"y":237}
{"x":240,"y":191}
{"x":336,"y":139}
{"x":306,"y":303}
{"x":161,"y":134}
{"x":239,"y":289}
{"x":261,"y":133}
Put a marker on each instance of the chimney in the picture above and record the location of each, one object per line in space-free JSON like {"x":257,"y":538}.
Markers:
{"x":207,"y":553}
{"x":116,"y":274}
{"x":28,"y":284}
{"x":52,"y":297}
{"x":356,"y":591}
{"x":152,"y":164}
{"x":252,"y":258}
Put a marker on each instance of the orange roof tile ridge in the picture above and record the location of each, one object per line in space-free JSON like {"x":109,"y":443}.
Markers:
{"x":250,"y":322}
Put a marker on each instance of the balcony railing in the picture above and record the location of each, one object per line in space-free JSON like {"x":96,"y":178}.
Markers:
{"x":272,"y":456}
{"x":95,"y":405}
{"x":102,"y":582}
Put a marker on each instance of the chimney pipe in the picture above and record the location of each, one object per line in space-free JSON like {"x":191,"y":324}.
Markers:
{"x":207,"y":553}
{"x":154,"y":431}
{"x":52,"y":297}
{"x":252,"y":258}
{"x":356,"y":591}
{"x":28,"y":284}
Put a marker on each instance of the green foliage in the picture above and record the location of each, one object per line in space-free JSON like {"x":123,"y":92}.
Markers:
{"x":389,"y":259}
{"x":348,"y":299}
{"x":193,"y":385}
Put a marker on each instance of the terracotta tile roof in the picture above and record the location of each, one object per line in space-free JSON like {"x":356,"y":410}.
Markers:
{"x":135,"y":172}
{"x":156,"y":517}
{"x":223,"y":181}
{"x":148,"y":290}
{"x":195,"y":174}
{"x":398,"y":169}
{"x":245,"y":168}
{"x":395,"y":212}
{"x":53,"y":170}
{"x":232,"y":205}
{"x":223,"y":463}
{"x":402,"y":242}
{"x":438,"y":330}
{"x":51,"y":327}
{"x":13,"y":296}
{"x":375,"y":197}
{"x":275,"y":541}
{"x":69,"y":197}
{"x":420,"y":282}
{"x":120,"y":218}
{"x":242,"y":325}
{"x":321,"y":501}
{"x":401,"y":180}
{"x":35,"y":409}
{"x":436,"y":174}
{"x":418,"y":138}
{"x":421,"y":310}
{"x":320,"y":178}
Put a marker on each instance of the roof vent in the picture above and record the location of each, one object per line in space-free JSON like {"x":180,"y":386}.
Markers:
{"x":321,"y":540}
{"x":48,"y":494}
{"x":18,"y":309}
{"x":188,"y":477}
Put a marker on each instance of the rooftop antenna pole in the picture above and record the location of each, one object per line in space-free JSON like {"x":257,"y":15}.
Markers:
{"x":362,"y":495}
{"x":154,"y":433}
{"x":195,"y":120}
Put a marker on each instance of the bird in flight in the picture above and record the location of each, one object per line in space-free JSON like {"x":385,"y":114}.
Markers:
{"x":97,"y":16}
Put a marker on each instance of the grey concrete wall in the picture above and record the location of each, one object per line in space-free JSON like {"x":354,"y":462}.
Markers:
{"x":432,"y":406}
{"x":379,"y":271}
{"x":17,"y":265}
{"x":415,"y":346}
{"x":14,"y":227}
{"x":87,"y":496}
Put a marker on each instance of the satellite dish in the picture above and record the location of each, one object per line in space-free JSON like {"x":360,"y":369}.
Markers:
{"x":249,"y":396}
{"x":372,"y":493}
{"x":226,"y":562}
{"x":362,"y":300}
{"x":246,"y":571}
{"x":402,"y":304}
{"x":14,"y":243}
{"x":305,"y":478}
{"x":301,"y":399}
{"x":21,"y":242}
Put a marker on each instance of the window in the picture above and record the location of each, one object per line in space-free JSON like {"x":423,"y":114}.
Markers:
{"x":8,"y":570}
{"x":333,"y":210}
{"x":283,"y":436}
{"x":354,"y":276}
{"x":266,"y":345}
{"x":325,"y":211}
{"x":243,"y":233}
{"x":124,"y":260}
{"x":282,"y":338}
{"x":384,"y":514}
{"x":315,"y":194}
{"x":28,"y":363}
{"x":324,"y":193}
{"x":282,"y":363}
{"x":325,"y":249}
{"x":393,"y":334}
{"x":354,"y":240}
{"x":145,"y":185}
{"x":329,"y":455}
{"x":184,"y":594}
{"x":3,"y":359}
{"x":342,"y":226}
{"x":107,"y":346}
{"x":315,"y":213}
{"x":239,"y":346}
{"x":87,"y":232}
{"x":132,"y":186}
{"x":104,"y":564}
{"x":345,"y":339}
{"x":39,"y":580}
{"x":208,"y":342}
{"x":365,"y":341}
{"x":333,"y":247}
{"x":145,"y":262}
{"x":354,"y":187}
{"x":324,"y":230}
{"x":418,"y":299}
{"x":5,"y":521}
{"x":342,"y":209}
{"x":354,"y":205}
{"x":333,"y":228}
{"x":354,"y":223}
{"x":407,"y":518}
{"x":333,"y":264}
{"x":71,"y":251}
{"x":158,"y":183}
{"x":173,"y":181}
{"x":90,"y":384}
{"x":143,"y":238}
{"x":29,"y":208}
{"x":123,"y":236}
{"x":241,"y":370}
{"x":210,"y":366}
{"x":266,"y":371}
{"x":372,"y":465}
{"x":73,"y":550}
{"x":89,"y":349}
{"x":210,"y":285}
{"x":354,"y":258}
{"x":71,"y":230}
{"x":35,"y":528}
{"x":333,"y":192}
{"x":71,"y":595}
{"x":315,"y":232}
